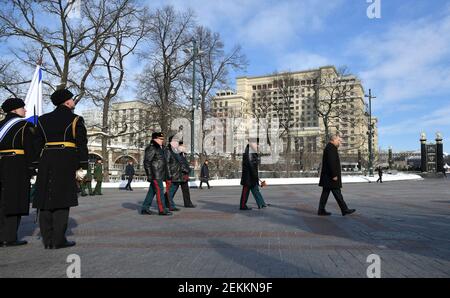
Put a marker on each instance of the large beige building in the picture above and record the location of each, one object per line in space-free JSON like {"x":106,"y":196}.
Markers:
{"x":131,"y":125}
{"x":295,"y":98}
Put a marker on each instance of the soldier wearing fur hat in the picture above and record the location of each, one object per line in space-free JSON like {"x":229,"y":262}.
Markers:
{"x":62,"y":137}
{"x":17,"y":154}
{"x":155,"y":166}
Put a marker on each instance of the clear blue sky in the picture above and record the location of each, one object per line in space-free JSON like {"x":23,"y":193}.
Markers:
{"x":404,"y":56}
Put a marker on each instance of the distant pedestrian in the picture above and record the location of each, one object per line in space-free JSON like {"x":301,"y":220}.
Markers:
{"x":98,"y":176}
{"x":330,"y":177}
{"x":444,"y":172}
{"x":380,"y":174}
{"x":250,"y":177}
{"x":129,"y":174}
{"x":204,"y":174}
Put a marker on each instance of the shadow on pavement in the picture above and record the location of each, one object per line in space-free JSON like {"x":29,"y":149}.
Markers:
{"x":259,"y":263}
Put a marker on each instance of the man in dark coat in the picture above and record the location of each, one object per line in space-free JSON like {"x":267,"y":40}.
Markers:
{"x":155,"y":166}
{"x":250,"y":177}
{"x":17,"y":154}
{"x":98,"y":176}
{"x":204,"y":174}
{"x":178,"y":174}
{"x":129,"y":173}
{"x":330,"y":177}
{"x":380,"y":175}
{"x":63,"y":139}
{"x":185,"y":184}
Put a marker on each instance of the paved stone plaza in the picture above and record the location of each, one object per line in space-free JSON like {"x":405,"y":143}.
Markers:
{"x":406,"y":223}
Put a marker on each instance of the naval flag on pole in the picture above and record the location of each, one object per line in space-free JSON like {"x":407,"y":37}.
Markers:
{"x":33,"y":101}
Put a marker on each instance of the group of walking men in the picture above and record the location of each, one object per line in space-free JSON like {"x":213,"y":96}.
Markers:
{"x":166,"y":164}
{"x":56,"y":146}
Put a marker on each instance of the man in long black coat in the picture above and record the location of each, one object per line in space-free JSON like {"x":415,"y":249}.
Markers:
{"x":63,"y":139}
{"x":330,"y":177}
{"x":204,"y":174}
{"x":17,"y":154}
{"x":178,"y":174}
{"x":129,"y":173}
{"x":250,"y":177}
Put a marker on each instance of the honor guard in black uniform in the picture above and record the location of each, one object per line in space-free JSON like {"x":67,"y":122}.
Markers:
{"x":16,"y":156}
{"x":62,"y":137}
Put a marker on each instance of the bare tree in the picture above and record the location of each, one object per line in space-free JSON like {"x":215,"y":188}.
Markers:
{"x":334,"y":102}
{"x":45,"y":28}
{"x":160,"y":81}
{"x":109,"y":71}
{"x":214,"y":66}
{"x":285,"y":87}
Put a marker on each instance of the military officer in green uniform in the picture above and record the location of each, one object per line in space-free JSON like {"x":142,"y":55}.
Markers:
{"x":87,"y":183}
{"x":98,"y":176}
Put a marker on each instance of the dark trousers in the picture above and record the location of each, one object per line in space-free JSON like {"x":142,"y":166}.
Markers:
{"x":337,"y":195}
{"x":186,"y":194}
{"x":380,"y":179}
{"x":128,"y":186}
{"x":53,"y":225}
{"x":206,"y":181}
{"x":173,"y":190}
{"x":156,"y":188}
{"x":98,"y":188}
{"x":256,"y":194}
{"x":9,"y":225}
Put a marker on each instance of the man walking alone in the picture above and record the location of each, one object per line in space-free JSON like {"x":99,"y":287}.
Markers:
{"x":330,"y":177}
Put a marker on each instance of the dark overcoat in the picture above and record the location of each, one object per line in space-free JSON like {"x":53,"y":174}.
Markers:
{"x":16,"y":169}
{"x":177,"y":168}
{"x":331,"y":167}
{"x":250,"y":168}
{"x":56,"y":184}
{"x":204,"y":173}
{"x":155,"y":163}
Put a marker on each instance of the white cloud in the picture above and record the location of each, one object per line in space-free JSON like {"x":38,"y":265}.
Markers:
{"x":436,"y":120}
{"x":269,"y":24}
{"x":409,"y":61}
{"x":301,"y":60}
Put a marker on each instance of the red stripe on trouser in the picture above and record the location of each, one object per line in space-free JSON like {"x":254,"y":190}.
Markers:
{"x":168,"y":184}
{"x":158,"y":196}
{"x":244,"y":195}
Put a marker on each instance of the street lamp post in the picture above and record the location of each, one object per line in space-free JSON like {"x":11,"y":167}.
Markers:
{"x":370,"y":133}
{"x":195,"y":53}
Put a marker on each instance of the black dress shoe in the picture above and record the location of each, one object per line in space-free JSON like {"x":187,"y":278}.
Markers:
{"x":13,"y":243}
{"x":146,"y":212}
{"x":174,"y":209}
{"x":190,"y":206}
{"x":323,"y":213}
{"x":348,"y":211}
{"x":245,"y":208}
{"x":165,"y":213}
{"x":48,"y":246}
{"x":67,"y":244}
